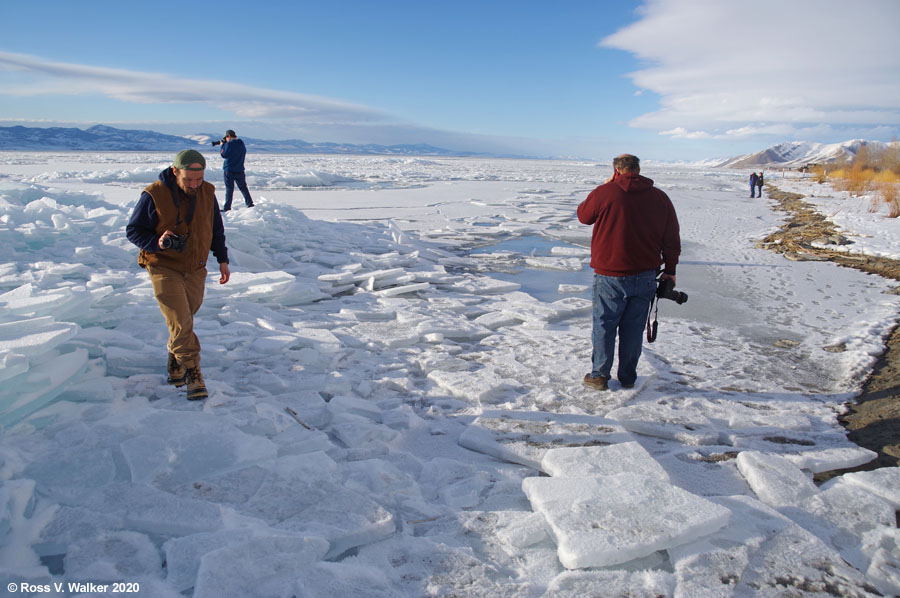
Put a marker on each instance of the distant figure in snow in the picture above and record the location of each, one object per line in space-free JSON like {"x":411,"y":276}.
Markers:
{"x":635,"y":231}
{"x":176,"y":223}
{"x":234,"y":151}
{"x":759,"y":184}
{"x":753,"y":179}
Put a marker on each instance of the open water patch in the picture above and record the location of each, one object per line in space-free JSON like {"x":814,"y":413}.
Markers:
{"x":541,"y":265}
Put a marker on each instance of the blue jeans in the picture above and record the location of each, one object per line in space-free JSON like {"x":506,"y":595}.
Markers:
{"x":621,"y":305}
{"x":230,"y":179}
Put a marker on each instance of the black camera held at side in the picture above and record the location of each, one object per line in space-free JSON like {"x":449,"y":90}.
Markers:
{"x":220,"y":141}
{"x":176,"y":242}
{"x":666,"y":290}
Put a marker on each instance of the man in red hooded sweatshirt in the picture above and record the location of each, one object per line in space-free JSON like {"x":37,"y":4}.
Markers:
{"x":635,"y":232}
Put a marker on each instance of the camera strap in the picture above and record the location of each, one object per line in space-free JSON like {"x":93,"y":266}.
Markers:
{"x":654,"y":327}
{"x":192,"y":205}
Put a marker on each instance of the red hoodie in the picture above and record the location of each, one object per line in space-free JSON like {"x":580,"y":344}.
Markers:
{"x":635,"y":227}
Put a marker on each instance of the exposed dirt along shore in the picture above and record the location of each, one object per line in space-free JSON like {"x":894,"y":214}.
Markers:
{"x":873,"y":421}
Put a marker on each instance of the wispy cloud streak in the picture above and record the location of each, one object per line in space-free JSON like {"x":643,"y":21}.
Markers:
{"x":59,"y":78}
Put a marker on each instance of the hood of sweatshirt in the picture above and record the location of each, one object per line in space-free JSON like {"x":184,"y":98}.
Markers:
{"x":629,"y":181}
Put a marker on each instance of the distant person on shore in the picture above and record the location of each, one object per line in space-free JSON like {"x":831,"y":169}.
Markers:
{"x":176,"y":223}
{"x":759,"y":184}
{"x":635,"y":231}
{"x":234,"y":151}
{"x":753,"y":178}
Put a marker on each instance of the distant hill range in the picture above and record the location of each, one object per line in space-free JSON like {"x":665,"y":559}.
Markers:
{"x":104,"y":138}
{"x":802,"y":153}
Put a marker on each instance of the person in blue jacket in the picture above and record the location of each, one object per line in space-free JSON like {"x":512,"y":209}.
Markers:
{"x":753,"y":178}
{"x":234,"y":151}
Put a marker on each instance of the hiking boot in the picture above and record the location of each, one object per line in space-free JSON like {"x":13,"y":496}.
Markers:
{"x":596,"y":382}
{"x":176,"y":372}
{"x":196,"y":389}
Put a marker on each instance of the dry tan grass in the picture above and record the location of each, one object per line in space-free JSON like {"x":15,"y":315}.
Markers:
{"x":889,"y":193}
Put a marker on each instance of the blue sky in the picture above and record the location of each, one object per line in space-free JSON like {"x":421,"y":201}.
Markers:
{"x":664,"y":79}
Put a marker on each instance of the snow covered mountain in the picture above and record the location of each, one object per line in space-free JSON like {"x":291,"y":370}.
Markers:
{"x":800,"y":153}
{"x":104,"y":138}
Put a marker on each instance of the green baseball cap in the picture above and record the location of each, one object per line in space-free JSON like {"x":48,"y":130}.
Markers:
{"x":185,"y":158}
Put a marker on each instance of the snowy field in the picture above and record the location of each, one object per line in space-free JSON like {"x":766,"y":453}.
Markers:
{"x":396,"y":406}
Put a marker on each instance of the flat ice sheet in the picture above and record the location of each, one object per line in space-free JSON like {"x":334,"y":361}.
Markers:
{"x":604,"y":521}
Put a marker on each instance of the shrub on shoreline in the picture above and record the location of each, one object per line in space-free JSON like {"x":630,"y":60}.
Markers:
{"x":871,"y":171}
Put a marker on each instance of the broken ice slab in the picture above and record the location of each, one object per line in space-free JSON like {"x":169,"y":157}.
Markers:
{"x":168,"y":448}
{"x":647,"y":582}
{"x":320,"y":339}
{"x":761,"y":549}
{"x":591,"y":461}
{"x":266,"y":565}
{"x":106,"y":556}
{"x":39,"y":386}
{"x":301,"y":494}
{"x":27,"y":300}
{"x":842,"y":516}
{"x":525,"y":437}
{"x":667,"y":422}
{"x":573,"y":289}
{"x":368,"y":314}
{"x":33,"y":336}
{"x":457,"y":329}
{"x":830,"y":459}
{"x":497,"y":319}
{"x":567,"y":264}
{"x":479,"y":387}
{"x":124,"y":362}
{"x":883,"y":482}
{"x":12,"y":364}
{"x":389,"y":334}
{"x":483,"y":285}
{"x":145,"y":509}
{"x":608,"y":520}
{"x":403,"y":289}
{"x":183,"y":554}
{"x":775,"y":480}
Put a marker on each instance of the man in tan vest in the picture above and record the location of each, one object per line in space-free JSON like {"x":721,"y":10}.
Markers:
{"x":175,"y":224}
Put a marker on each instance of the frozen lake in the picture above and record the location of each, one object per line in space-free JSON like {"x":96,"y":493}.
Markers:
{"x":396,"y":406}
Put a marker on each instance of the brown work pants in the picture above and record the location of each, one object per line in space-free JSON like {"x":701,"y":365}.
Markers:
{"x":180,"y":295}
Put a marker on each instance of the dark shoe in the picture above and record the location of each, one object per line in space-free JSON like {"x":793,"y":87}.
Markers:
{"x":250,"y":205}
{"x":196,"y":388}
{"x":226,"y":210}
{"x":596,"y":382}
{"x":628,"y":385}
{"x":176,"y":372}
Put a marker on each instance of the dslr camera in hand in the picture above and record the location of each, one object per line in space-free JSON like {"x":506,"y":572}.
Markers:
{"x":220,"y":141}
{"x":666,"y":290}
{"x":176,"y":242}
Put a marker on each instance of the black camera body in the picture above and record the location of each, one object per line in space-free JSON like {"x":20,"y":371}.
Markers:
{"x":220,"y":141}
{"x":666,"y":290}
{"x":176,"y":242}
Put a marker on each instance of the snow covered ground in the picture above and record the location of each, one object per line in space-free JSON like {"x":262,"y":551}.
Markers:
{"x":396,"y":406}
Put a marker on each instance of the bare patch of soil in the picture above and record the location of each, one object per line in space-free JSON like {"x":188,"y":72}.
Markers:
{"x":873,"y":421}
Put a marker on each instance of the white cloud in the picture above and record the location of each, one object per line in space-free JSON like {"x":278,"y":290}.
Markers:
{"x":59,"y":78}
{"x":729,"y":69}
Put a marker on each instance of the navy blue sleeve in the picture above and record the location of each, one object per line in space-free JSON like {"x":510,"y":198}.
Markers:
{"x":218,"y":239}
{"x":141,"y":229}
